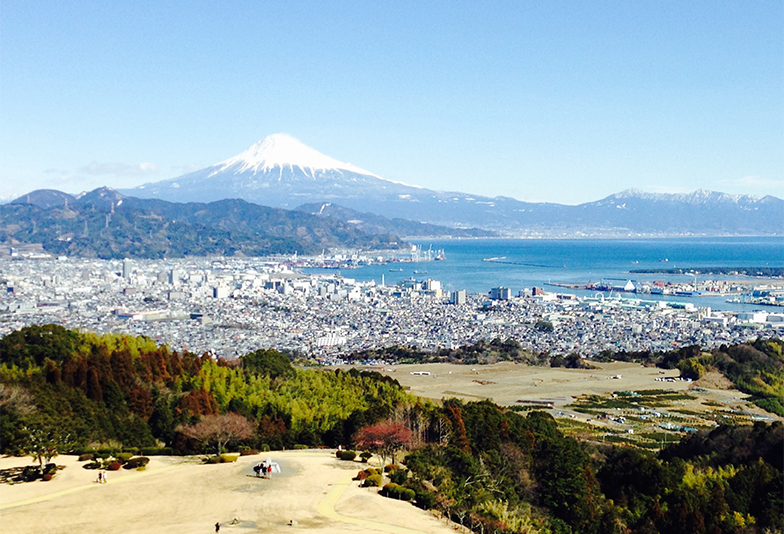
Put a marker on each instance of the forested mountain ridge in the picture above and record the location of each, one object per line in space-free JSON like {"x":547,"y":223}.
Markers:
{"x":106,"y":224}
{"x":485,"y":467}
{"x":377,"y":224}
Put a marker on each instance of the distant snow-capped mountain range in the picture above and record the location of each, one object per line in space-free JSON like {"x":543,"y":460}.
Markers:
{"x":280,"y":171}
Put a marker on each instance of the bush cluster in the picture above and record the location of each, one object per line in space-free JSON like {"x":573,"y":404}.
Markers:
{"x":396,"y":491}
{"x":123,"y":456}
{"x":228,"y":458}
{"x":365,"y":473}
{"x":86,"y":456}
{"x":373,"y":481}
{"x":300,"y":447}
{"x":135,"y":463}
{"x":346,"y":455}
{"x":114,"y":466}
{"x":398,"y":476}
{"x":365,"y":456}
{"x":247,"y":451}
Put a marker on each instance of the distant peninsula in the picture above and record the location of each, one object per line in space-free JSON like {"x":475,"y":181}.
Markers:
{"x":763,"y":272}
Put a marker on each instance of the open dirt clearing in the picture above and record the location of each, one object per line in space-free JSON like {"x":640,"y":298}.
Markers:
{"x":506,"y":383}
{"x":181,"y":495}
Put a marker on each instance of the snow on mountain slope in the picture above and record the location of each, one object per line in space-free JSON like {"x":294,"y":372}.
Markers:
{"x":280,"y":150}
{"x":280,"y":171}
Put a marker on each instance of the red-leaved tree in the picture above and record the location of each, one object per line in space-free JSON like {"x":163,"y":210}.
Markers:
{"x":218,"y":430}
{"x":384,"y":438}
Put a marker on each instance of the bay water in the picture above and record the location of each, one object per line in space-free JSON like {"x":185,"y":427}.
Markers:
{"x":521,"y":263}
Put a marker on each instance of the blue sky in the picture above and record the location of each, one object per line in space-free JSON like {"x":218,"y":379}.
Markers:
{"x":542,"y":101}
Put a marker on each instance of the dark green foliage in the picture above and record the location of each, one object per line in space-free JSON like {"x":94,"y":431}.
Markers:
{"x":268,"y":362}
{"x":101,"y":388}
{"x":373,"y":481}
{"x":151,"y":228}
{"x":133,"y":463}
{"x":396,"y":491}
{"x":32,"y":346}
{"x":346,"y":455}
{"x":398,"y":476}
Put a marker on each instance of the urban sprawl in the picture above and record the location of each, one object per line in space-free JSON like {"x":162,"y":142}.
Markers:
{"x":229,"y":307}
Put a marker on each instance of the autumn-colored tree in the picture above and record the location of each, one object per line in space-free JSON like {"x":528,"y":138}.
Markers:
{"x":459,"y":435}
{"x":218,"y":430}
{"x":199,"y":402}
{"x":384,"y":438}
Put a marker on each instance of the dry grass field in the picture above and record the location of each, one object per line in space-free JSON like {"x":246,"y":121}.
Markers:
{"x":179,"y":494}
{"x":590,"y":403}
{"x":506,"y":383}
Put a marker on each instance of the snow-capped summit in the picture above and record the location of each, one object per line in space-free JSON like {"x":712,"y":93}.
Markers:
{"x":281,"y":150}
{"x":277,"y":171}
{"x":282,"y":172}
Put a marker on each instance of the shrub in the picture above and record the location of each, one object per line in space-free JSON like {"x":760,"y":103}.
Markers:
{"x":300,"y":447}
{"x":372,"y":481}
{"x":213,"y":460}
{"x":391,"y":467}
{"x":50,"y":469}
{"x":248,"y":452}
{"x":265,"y":447}
{"x":135,"y":463}
{"x":86,"y":456}
{"x":398,"y":476}
{"x":95,"y":464}
{"x":47,"y":477}
{"x":365,"y":456}
{"x":124,"y":456}
{"x":30,"y":473}
{"x":425,"y":499}
{"x":141,"y":468}
{"x":346,"y":455}
{"x":228,"y":458}
{"x":113,"y":466}
{"x":396,"y":491}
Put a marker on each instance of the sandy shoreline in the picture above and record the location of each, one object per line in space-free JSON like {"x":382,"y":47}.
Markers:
{"x":179,"y":494}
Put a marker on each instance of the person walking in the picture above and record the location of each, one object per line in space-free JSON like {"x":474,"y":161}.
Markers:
{"x":100,"y":477}
{"x":217,"y":527}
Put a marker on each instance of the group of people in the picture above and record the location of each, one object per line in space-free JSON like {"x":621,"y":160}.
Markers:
{"x":101,"y":477}
{"x":262,"y":470}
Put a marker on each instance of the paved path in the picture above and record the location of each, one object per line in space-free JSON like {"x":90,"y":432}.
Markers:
{"x":327,"y":508}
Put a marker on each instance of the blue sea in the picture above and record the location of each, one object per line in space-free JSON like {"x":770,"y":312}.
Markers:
{"x":531,"y":262}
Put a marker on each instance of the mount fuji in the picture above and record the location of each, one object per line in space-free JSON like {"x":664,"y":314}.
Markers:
{"x":277,"y":171}
{"x":282,"y":172}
